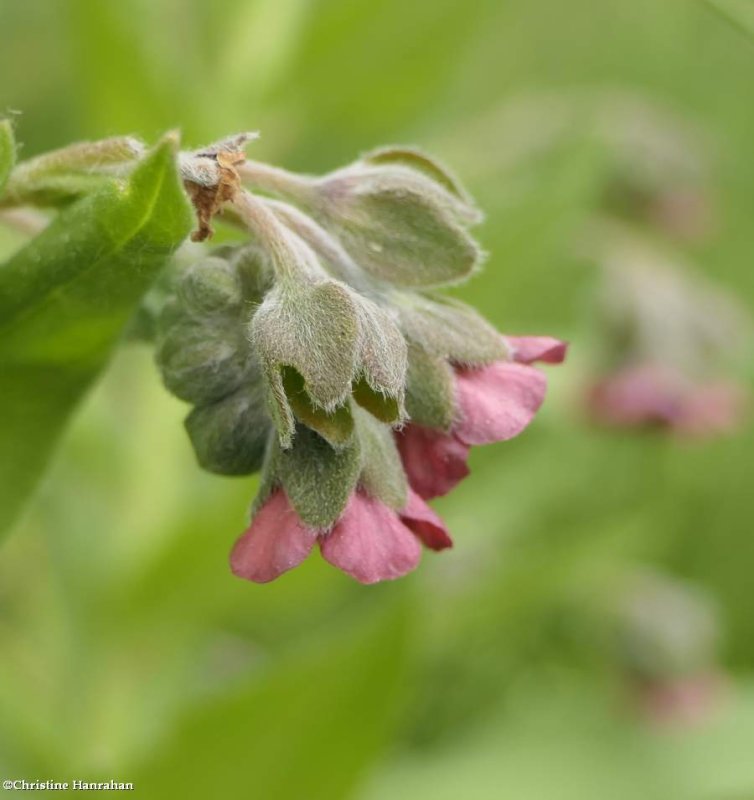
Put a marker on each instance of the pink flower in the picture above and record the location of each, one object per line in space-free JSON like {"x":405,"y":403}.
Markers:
{"x":683,"y":702}
{"x":370,"y":541}
{"x":494,"y":402}
{"x":652,"y":395}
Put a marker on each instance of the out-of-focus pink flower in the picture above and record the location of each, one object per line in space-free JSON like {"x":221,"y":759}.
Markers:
{"x":494,"y":403}
{"x":648,"y":395}
{"x":370,"y":541}
{"x":683,"y":702}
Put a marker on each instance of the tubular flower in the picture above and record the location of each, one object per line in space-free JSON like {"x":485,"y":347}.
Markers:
{"x":655,"y":395}
{"x":318,"y":348}
{"x":494,"y":403}
{"x":370,"y":541}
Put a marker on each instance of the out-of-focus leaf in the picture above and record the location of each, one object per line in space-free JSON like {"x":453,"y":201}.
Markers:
{"x":591,"y":752}
{"x":306,"y":730}
{"x":739,"y":12}
{"x":7,"y":151}
{"x":64,"y":300}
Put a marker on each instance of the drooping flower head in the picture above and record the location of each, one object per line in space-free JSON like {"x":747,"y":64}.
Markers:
{"x":668,"y":343}
{"x":320,"y":354}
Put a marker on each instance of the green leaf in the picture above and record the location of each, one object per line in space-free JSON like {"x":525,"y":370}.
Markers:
{"x":738,"y":12}
{"x":266,"y":737}
{"x":64,"y":300}
{"x":7,"y":151}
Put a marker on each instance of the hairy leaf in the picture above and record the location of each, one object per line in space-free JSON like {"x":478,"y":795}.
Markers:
{"x":64,"y":300}
{"x":417,"y":160}
{"x":449,"y":329}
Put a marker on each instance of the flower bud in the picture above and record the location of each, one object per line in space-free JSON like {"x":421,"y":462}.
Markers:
{"x":230,"y":436}
{"x":201,"y":361}
{"x":314,"y":329}
{"x":401,"y":216}
{"x":319,"y":343}
{"x":398,"y":225}
{"x":210,"y":286}
{"x":317,"y":478}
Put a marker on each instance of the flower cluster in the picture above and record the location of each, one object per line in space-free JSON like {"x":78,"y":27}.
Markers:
{"x":668,"y":341}
{"x":319,"y":352}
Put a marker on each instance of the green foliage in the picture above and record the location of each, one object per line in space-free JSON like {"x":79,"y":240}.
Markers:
{"x":118,"y":611}
{"x":305,"y":729}
{"x":7,"y":151}
{"x":60,"y":176}
{"x":64,"y":300}
{"x":739,"y":12}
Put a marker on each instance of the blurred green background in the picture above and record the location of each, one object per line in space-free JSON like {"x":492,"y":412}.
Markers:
{"x":127,"y":649}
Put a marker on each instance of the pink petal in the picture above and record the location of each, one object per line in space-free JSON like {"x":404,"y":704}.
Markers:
{"x":434,"y":461}
{"x":370,"y":543}
{"x":498,"y":401}
{"x":640,"y":395}
{"x":527,"y":349}
{"x":714,"y":408}
{"x":425,"y":523}
{"x":275,"y":542}
{"x":683,"y":702}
